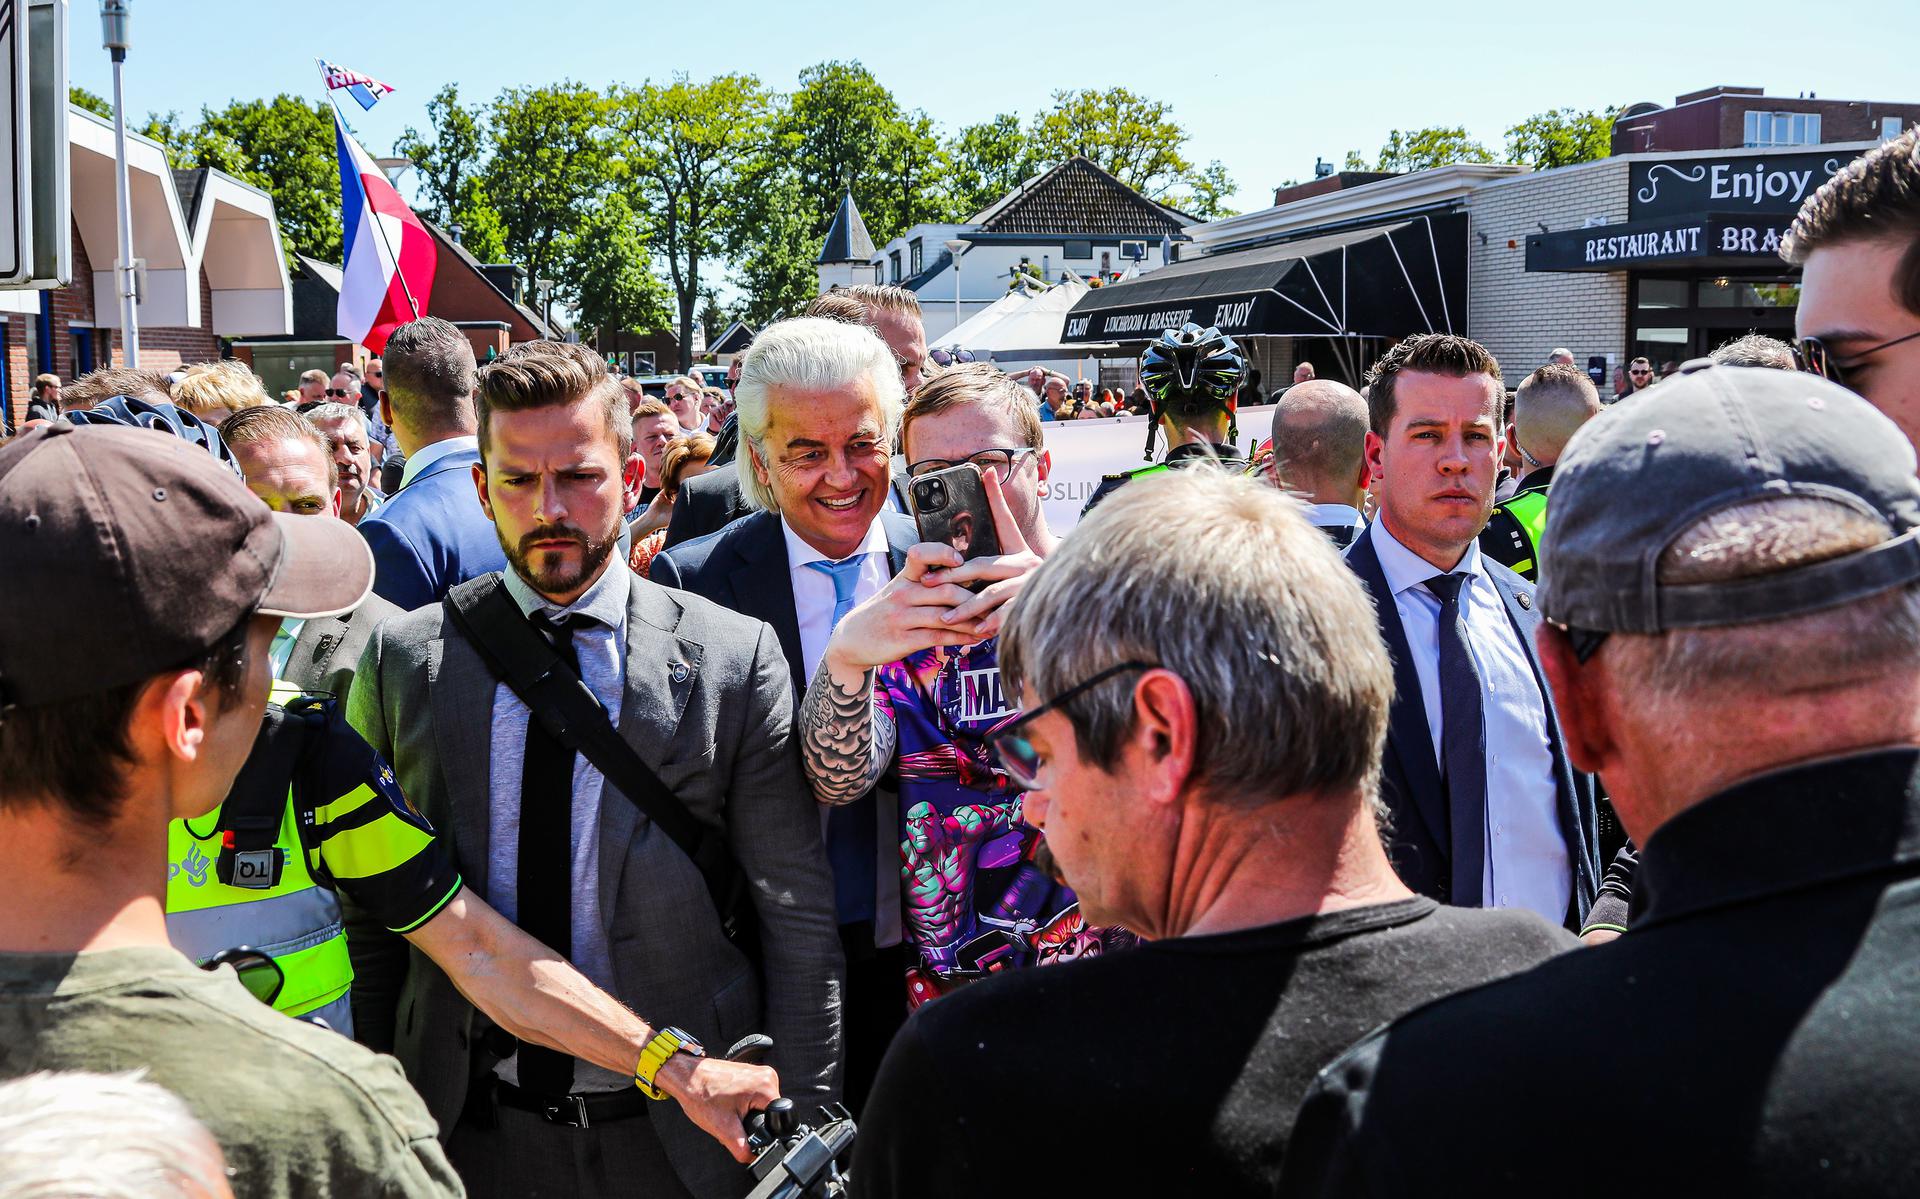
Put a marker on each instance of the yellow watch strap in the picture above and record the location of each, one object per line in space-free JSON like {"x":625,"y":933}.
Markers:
{"x":665,"y":1044}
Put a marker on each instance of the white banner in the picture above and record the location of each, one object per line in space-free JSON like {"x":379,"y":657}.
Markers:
{"x":1085,"y":450}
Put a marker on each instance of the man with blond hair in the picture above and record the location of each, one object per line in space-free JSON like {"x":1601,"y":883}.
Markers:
{"x":213,"y":391}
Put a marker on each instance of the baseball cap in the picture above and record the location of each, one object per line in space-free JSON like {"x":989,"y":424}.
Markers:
{"x":155,"y":551}
{"x":1645,"y":470}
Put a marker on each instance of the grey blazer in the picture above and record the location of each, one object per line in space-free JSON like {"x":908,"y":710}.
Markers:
{"x":709,"y":707}
{"x":328,"y":649}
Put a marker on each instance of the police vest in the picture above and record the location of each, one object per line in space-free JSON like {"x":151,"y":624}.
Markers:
{"x":240,"y":875}
{"x":1529,"y":511}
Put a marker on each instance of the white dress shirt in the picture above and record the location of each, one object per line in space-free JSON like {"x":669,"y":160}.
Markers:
{"x":427,"y":455}
{"x":1336,"y":516}
{"x":813,"y":594}
{"x":1527,"y":862}
{"x":602,"y":651}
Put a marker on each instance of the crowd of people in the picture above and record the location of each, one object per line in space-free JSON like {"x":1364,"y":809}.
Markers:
{"x":500,"y":780}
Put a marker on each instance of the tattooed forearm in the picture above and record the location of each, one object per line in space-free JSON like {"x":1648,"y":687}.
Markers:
{"x":844,"y":743}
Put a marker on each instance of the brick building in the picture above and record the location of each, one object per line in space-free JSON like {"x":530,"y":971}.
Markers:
{"x":1733,"y":118}
{"x":214,"y":269}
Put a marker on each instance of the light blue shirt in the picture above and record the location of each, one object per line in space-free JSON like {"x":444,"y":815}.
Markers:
{"x":602,"y":650}
{"x":1336,"y":516}
{"x":1527,"y":861}
{"x":282,"y":648}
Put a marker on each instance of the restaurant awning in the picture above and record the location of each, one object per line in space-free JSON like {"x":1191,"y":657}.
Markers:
{"x":1700,"y":240}
{"x":1385,"y":281}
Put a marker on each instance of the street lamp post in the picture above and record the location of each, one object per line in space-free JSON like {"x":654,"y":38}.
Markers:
{"x":113,"y":35}
{"x":956,"y":247}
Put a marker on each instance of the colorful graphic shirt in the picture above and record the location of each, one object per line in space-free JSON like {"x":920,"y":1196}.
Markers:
{"x":975,"y":900}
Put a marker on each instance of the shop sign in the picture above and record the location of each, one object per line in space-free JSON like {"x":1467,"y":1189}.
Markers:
{"x":1759,"y":183}
{"x":1643,"y":243}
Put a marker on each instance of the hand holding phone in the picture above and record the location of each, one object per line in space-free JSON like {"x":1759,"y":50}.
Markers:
{"x":950,"y":507}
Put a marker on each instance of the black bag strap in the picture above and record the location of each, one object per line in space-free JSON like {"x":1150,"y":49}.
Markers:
{"x":517,"y":655}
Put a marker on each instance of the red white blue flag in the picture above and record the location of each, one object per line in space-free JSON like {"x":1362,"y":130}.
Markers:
{"x":365,"y":89}
{"x":388,"y":260}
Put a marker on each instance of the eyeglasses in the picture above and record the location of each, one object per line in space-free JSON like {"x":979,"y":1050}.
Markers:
{"x":1813,"y":357}
{"x":1016,"y":751}
{"x":336,"y":393}
{"x":949,"y":357}
{"x":1001,"y":462}
{"x":1637,"y":374}
{"x":259,"y":974}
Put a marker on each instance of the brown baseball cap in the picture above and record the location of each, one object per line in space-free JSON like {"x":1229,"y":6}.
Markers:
{"x":154,"y":552}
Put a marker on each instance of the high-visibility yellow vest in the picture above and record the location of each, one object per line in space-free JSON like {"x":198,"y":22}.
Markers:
{"x":1529,"y":511}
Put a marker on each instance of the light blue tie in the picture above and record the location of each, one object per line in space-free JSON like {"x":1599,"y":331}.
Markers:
{"x":846,"y":576}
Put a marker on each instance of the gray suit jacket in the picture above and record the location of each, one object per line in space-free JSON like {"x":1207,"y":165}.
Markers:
{"x":709,"y":707}
{"x":328,"y":649}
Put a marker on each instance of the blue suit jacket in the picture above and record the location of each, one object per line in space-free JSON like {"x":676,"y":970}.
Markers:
{"x":431,"y":535}
{"x":1420,"y":841}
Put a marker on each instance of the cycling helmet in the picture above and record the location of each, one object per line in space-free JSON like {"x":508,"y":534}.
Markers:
{"x":1190,"y":369}
{"x":162,"y":418}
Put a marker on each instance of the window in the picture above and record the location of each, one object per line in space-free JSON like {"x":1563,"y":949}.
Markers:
{"x":1891,"y":127}
{"x":894,"y":259}
{"x":1077,"y":249}
{"x":1663,"y":293}
{"x":1733,"y":293}
{"x":1661,"y":337}
{"x":913,"y":256}
{"x":1783,"y":128}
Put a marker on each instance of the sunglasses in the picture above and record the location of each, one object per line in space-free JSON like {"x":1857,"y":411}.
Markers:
{"x":259,"y":974}
{"x":1016,"y":751}
{"x":1815,"y":358}
{"x":1636,"y":373}
{"x":336,"y":392}
{"x":949,"y":357}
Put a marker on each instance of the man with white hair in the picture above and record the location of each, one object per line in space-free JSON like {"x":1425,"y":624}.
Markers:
{"x":819,"y":402}
{"x":1740,"y":663}
{"x":1561,"y":356}
{"x":350,"y":440}
{"x":104,"y":1136}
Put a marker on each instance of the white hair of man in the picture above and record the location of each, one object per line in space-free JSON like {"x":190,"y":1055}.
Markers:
{"x":335,"y":410}
{"x":102,"y":1136}
{"x":810,"y":354}
{"x":1221,"y":580}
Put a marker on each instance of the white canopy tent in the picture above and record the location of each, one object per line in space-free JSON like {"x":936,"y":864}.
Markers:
{"x":1027,"y":330}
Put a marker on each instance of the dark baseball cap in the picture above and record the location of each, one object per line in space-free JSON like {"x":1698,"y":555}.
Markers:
{"x":149,"y":552}
{"x":1645,"y":470}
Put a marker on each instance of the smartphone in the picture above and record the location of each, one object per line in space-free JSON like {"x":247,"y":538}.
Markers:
{"x":950,"y":507}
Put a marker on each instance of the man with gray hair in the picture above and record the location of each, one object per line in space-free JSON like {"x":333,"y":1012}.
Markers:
{"x":1214,"y":794}
{"x":1320,"y":454}
{"x":79,"y":1135}
{"x":1740,"y":663}
{"x":1560,"y":356}
{"x":1757,"y":349}
{"x":1548,"y":407}
{"x":350,"y":443}
{"x":432,"y":533}
{"x":819,"y":403}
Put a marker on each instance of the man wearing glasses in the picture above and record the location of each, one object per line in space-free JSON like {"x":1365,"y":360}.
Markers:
{"x":1639,"y":378}
{"x":1202,"y":778}
{"x":910,"y":681}
{"x":1857,"y":241}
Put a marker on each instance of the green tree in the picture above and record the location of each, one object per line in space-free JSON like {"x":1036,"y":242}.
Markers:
{"x":1133,"y":137}
{"x":1561,"y":138}
{"x":988,"y":160}
{"x":94,"y":104}
{"x":713,"y":321}
{"x":840,"y":127}
{"x":687,"y":151}
{"x":913,"y":170}
{"x":609,"y":278}
{"x":1208,"y":189}
{"x":1421,"y":149}
{"x":774,"y":267}
{"x":450,"y":160}
{"x":551,"y":165}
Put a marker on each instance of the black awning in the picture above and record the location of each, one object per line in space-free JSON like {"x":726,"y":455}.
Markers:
{"x":1701,"y":240}
{"x":1386,"y":281}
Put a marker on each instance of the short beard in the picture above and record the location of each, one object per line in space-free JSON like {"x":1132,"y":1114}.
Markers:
{"x":559,"y":580}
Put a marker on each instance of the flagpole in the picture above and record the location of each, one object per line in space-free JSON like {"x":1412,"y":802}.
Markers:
{"x":378,"y":227}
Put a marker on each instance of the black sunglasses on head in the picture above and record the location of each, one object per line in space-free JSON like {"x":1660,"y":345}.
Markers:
{"x":1009,"y":740}
{"x":1813,"y":357}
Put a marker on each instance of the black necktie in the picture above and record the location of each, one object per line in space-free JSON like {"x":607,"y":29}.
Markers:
{"x":544,"y":891}
{"x":1463,"y":746}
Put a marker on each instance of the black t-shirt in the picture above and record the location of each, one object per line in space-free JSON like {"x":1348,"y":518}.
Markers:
{"x":1173,"y":1068}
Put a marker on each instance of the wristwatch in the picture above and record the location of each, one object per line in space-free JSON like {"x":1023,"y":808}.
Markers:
{"x":666,"y":1042}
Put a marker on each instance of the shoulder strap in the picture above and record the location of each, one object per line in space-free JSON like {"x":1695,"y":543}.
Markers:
{"x":256,"y":804}
{"x":521,"y":658}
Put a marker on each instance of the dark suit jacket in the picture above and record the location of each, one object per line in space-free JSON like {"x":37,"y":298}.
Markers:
{"x":327,"y":651}
{"x":744,"y":567}
{"x":710,"y":502}
{"x":704,"y":708}
{"x":431,"y":535}
{"x":1419,"y":841}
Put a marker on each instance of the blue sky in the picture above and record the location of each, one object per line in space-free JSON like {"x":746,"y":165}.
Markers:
{"x":1262,"y":87}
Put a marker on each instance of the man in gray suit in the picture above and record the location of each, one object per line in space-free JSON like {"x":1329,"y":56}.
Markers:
{"x":703,"y":696}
